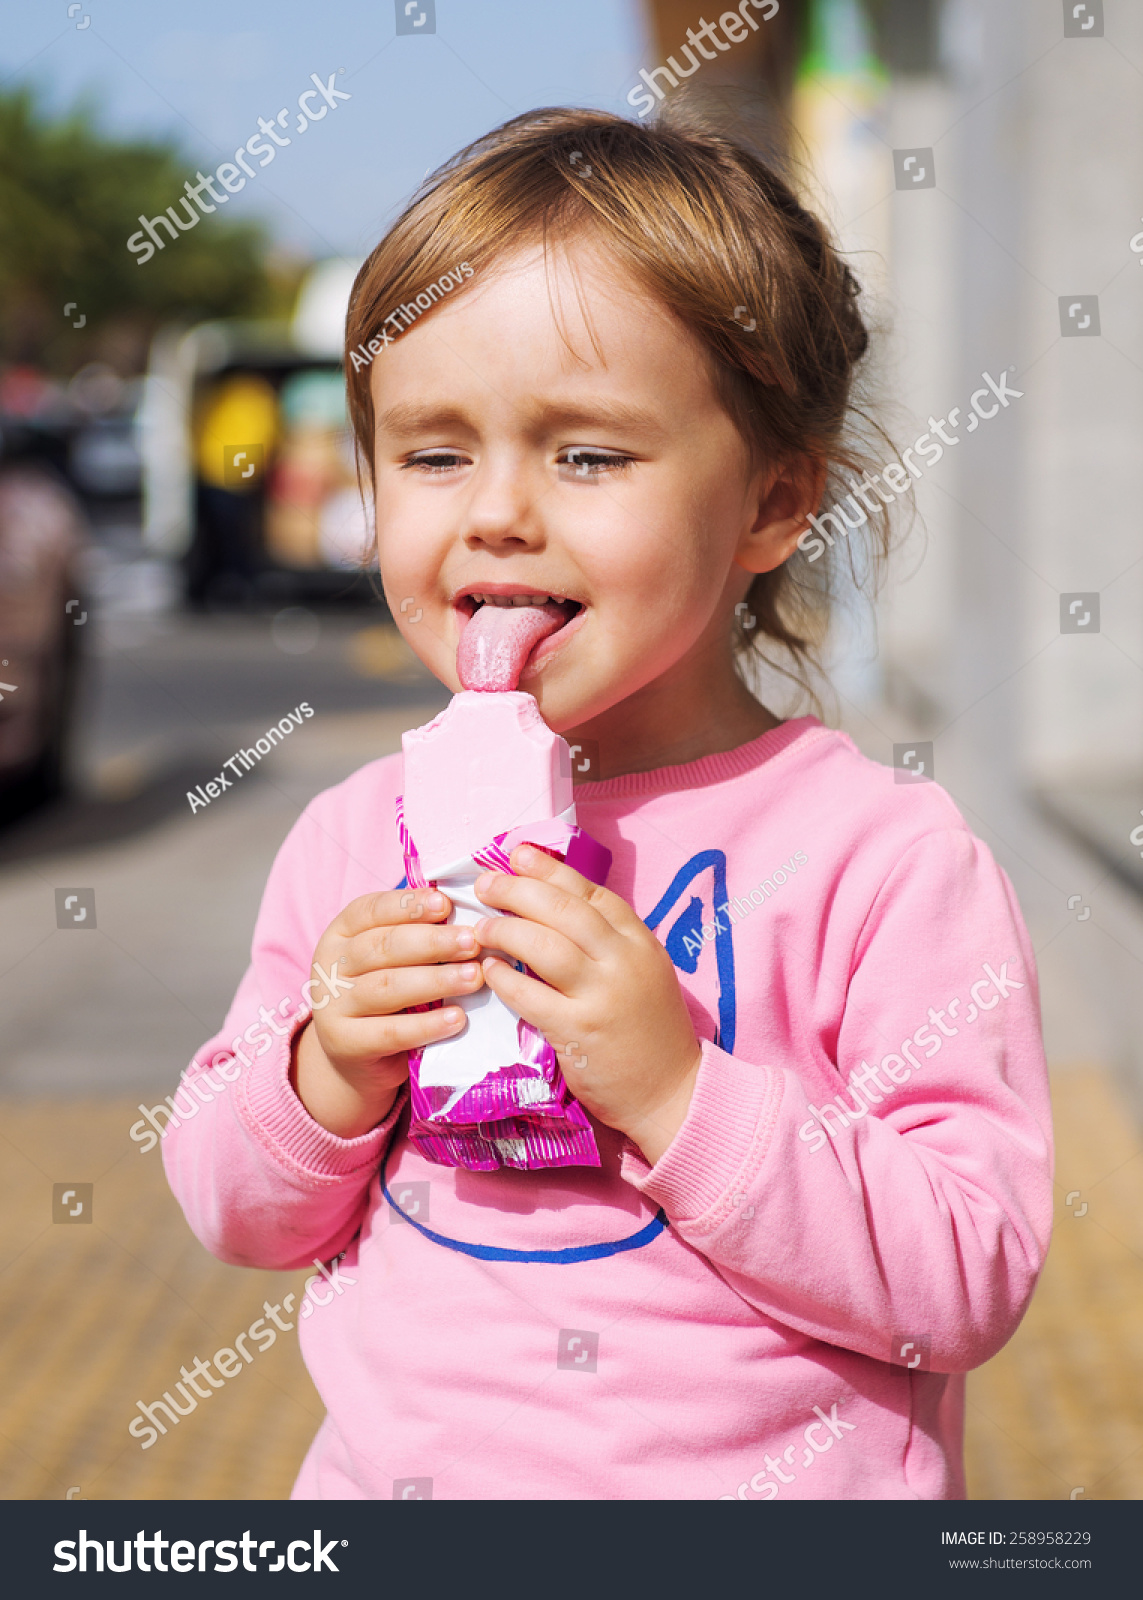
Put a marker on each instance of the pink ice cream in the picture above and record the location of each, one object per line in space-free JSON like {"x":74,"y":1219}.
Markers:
{"x":498,"y":640}
{"x":484,"y":776}
{"x":488,"y":763}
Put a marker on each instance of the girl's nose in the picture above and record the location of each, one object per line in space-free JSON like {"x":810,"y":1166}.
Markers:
{"x":502,"y":512}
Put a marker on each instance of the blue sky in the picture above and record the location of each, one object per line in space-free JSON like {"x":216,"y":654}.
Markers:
{"x":207,"y":71}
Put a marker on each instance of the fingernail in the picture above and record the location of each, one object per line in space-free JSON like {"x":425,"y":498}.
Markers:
{"x":469,"y":971}
{"x":465,"y":939}
{"x":452,"y":1020}
{"x":435,"y":901}
{"x":525,"y":856}
{"x":483,"y":883}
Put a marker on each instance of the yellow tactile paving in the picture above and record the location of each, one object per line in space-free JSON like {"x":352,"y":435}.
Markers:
{"x":97,"y":1316}
{"x":1061,"y":1407}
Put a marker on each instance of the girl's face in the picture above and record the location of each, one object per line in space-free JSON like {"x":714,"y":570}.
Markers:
{"x":607,"y":475}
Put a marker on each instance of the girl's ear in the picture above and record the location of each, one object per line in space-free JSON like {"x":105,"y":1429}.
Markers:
{"x":785,"y":498}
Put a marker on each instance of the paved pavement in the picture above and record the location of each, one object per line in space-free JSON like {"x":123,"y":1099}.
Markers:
{"x":105,"y":1315}
{"x":1058,"y":1414}
{"x":100,"y":1316}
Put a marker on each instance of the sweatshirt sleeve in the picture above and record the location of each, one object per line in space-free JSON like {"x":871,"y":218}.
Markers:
{"x":260,"y":1182}
{"x":913,"y":1200}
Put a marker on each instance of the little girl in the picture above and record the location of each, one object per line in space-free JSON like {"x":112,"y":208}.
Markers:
{"x":607,"y":368}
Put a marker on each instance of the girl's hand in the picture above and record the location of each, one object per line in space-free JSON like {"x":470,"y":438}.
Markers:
{"x":614,"y":1012}
{"x":383,"y":953}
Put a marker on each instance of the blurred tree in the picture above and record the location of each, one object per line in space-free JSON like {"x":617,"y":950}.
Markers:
{"x":70,"y":196}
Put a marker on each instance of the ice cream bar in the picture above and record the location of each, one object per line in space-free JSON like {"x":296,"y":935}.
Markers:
{"x":484,"y":776}
{"x":488,"y":763}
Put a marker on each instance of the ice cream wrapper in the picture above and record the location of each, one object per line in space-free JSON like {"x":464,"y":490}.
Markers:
{"x":509,"y":1105}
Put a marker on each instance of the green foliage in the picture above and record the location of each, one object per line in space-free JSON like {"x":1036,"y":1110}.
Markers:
{"x":70,"y":197}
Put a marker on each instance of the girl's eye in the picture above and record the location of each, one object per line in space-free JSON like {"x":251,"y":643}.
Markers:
{"x":579,"y":462}
{"x":433,"y":461}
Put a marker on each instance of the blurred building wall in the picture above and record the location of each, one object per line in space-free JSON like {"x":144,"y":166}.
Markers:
{"x":1080,"y":158}
{"x":1037,"y":142}
{"x":1033,"y":147}
{"x":1039,"y":157}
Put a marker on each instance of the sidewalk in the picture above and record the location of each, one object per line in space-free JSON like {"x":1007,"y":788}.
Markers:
{"x":107,"y":1314}
{"x":98,"y":1316}
{"x":103,"y":1315}
{"x":1060,"y":1409}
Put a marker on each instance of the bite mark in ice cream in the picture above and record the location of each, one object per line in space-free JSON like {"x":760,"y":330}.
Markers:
{"x":497,"y":640}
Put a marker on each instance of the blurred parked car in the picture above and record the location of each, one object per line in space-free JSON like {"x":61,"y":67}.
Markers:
{"x":85,"y":428}
{"x":41,"y":615}
{"x":103,"y":456}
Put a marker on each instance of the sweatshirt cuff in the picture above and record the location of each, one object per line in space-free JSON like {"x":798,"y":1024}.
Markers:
{"x":720,"y":1146}
{"x":273,"y":1113}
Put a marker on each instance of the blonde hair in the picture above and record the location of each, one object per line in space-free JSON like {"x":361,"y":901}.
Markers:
{"x":717,"y":236}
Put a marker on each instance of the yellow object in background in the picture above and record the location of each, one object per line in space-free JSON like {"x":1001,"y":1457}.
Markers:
{"x":314,"y":516}
{"x":237,"y":429}
{"x":381,"y":652}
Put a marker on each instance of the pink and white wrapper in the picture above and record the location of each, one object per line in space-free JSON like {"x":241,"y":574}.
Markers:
{"x":521,"y":1113}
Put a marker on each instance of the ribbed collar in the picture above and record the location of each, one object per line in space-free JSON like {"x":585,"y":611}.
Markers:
{"x":707,"y":769}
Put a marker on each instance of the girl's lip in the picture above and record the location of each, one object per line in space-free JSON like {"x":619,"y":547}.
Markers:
{"x":463,"y":600}
{"x":549,"y":647}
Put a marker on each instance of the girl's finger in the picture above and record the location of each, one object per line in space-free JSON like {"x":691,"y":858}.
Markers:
{"x":540,"y":866}
{"x":545,"y":1008}
{"x":390,"y":906}
{"x":385,"y":992}
{"x":416,"y":944}
{"x":551,"y":955}
{"x":390,"y":1036}
{"x":561,"y":909}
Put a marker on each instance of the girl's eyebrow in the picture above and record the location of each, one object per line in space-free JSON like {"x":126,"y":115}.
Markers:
{"x":410,"y":417}
{"x":601,"y":414}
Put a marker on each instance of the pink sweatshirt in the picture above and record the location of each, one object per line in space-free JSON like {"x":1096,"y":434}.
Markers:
{"x":853,"y":1214}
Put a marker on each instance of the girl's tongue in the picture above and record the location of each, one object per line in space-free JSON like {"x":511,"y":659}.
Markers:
{"x":496,"y":642}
